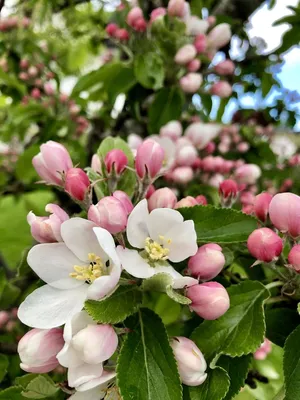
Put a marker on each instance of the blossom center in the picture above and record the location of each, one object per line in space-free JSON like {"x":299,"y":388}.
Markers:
{"x":156,"y":251}
{"x":91,"y":272}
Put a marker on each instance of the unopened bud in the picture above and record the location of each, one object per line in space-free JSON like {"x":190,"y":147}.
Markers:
{"x":207,"y":263}
{"x":265,"y":245}
{"x":77,"y":183}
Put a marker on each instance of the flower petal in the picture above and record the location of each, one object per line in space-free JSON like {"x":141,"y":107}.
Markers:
{"x":134,"y":264}
{"x":184,"y":281}
{"x":68,"y":357}
{"x":161,"y":220}
{"x":79,"y":321}
{"x":107,"y":244}
{"x":93,"y":394}
{"x":83,"y":374}
{"x":183,"y":241}
{"x":137,"y":230}
{"x":53,"y":262}
{"x":105,"y":285}
{"x":80,"y":238}
{"x":48,"y":307}
{"x":101,"y":382}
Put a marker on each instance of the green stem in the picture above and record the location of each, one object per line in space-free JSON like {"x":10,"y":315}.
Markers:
{"x":274,"y":284}
{"x":277,"y":299}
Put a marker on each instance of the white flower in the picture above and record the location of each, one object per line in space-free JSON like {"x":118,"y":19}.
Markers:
{"x":96,"y":389}
{"x":196,"y":26}
{"x":283,"y":147}
{"x":161,"y":235}
{"x":84,"y":266}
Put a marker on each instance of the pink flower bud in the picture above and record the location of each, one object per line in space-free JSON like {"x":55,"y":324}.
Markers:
{"x":4,"y":318}
{"x":52,"y":162}
{"x":74,"y":109}
{"x":190,"y":361}
{"x":264,"y":244}
{"x":201,"y":134}
{"x":23,"y":76}
{"x":110,"y":214}
{"x":200,"y":43}
{"x":182,"y":175}
{"x":194,"y":65}
{"x":150,"y":191}
{"x":222,"y":89}
{"x":294,"y":257}
{"x":63,"y":97}
{"x":176,"y":8}
{"x":35,"y":93}
{"x":149,"y":159}
{"x":210,"y":148}
{"x":209,"y":300}
{"x":140,"y":25}
{"x":115,"y":161}
{"x":191,"y":82}
{"x":243,"y":147}
{"x":247,"y":198}
{"x":225,"y":67}
{"x":228,"y":189}
{"x":264,"y":350}
{"x":248,"y":174}
{"x":185,"y":54}
{"x":201,"y":200}
{"x":162,"y":198}
{"x":284,"y":213}
{"x":188,"y":201}
{"x":196,"y":26}
{"x":49,"y":89}
{"x":157,"y":13}
{"x":172,"y":130}
{"x":219,"y":36}
{"x":38,"y":349}
{"x":47,"y":229}
{"x":111,"y":29}
{"x":77,"y":183}
{"x":134,"y":14}
{"x":24,"y":64}
{"x":122,"y":34}
{"x":211,"y":19}
{"x":261,"y":205}
{"x":186,"y":155}
{"x":124,"y":199}
{"x":95,"y":343}
{"x":207,"y":263}
{"x":33,"y":71}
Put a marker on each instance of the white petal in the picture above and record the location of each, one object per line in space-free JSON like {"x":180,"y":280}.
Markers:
{"x":48,"y":307}
{"x":68,"y":357}
{"x":105,"y":285}
{"x":100,"y":382}
{"x":136,"y":230}
{"x":184,"y":281}
{"x":107,"y":244}
{"x":84,"y":373}
{"x":80,"y":238}
{"x":79,"y":321}
{"x":161,"y":220}
{"x":93,"y":394}
{"x":53,"y":262}
{"x":134,"y":264}
{"x":183,"y":241}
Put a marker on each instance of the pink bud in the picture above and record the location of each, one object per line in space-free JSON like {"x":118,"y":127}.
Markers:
{"x":23,"y":76}
{"x":33,"y":71}
{"x":150,"y":191}
{"x":200,"y":43}
{"x":201,"y":200}
{"x":38,"y":349}
{"x":115,"y":161}
{"x":182,"y":175}
{"x":162,"y":198}
{"x":195,"y":26}
{"x":210,"y":148}
{"x":74,"y":109}
{"x":52,"y":162}
{"x":63,"y":97}
{"x":185,"y":54}
{"x":222,"y":89}
{"x":149,"y":159}
{"x":219,"y":36}
{"x":172,"y":129}
{"x":4,"y":318}
{"x":264,"y":350}
{"x":188,"y":201}
{"x":122,"y":34}
{"x":201,"y":134}
{"x":225,"y":67}
{"x":248,"y":174}
{"x":243,"y":147}
{"x":157,"y":13}
{"x":77,"y":183}
{"x":47,"y":229}
{"x":110,"y":214}
{"x":207,"y":263}
{"x":190,"y":361}
{"x":294,"y":257}
{"x":111,"y":29}
{"x":264,"y":244}
{"x":228,"y":189}
{"x":211,"y":19}
{"x":95,"y":343}
{"x":191,"y":82}
{"x":124,"y":199}
{"x":209,"y":300}
{"x":261,"y":205}
{"x":140,"y":25}
{"x":35,"y":93}
{"x":186,"y":155}
{"x":49,"y":89}
{"x":176,"y":8}
{"x":24,"y":64}
{"x":194,"y":65}
{"x":284,"y":213}
{"x":134,"y":14}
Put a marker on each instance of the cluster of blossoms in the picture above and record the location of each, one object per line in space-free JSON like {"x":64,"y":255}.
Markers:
{"x":10,"y":23}
{"x":123,"y":239}
{"x":202,"y":42}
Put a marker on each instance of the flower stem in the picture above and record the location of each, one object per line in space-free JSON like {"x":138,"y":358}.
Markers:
{"x":274,"y":284}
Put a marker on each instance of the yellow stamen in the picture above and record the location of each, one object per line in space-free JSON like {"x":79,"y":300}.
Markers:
{"x":89,"y":273}
{"x":156,"y":251}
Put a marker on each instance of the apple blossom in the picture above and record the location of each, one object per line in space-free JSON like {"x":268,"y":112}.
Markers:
{"x":162,"y":198}
{"x":190,"y":361}
{"x":225,"y":67}
{"x":47,"y":229}
{"x":84,"y":266}
{"x":186,"y":155}
{"x":207,"y":263}
{"x":157,"y":13}
{"x":172,"y":130}
{"x":191,"y":82}
{"x":169,"y":148}
{"x":124,"y":199}
{"x":283,"y":147}
{"x":77,"y":183}
{"x":222,"y":89}
{"x":115,"y":161}
{"x":201,"y":134}
{"x":200,"y":43}
{"x":149,"y":159}
{"x":194,"y":65}
{"x":185,"y":54}
{"x":176,"y":8}
{"x":96,"y":164}
{"x":134,"y":14}
{"x":261,"y":205}
{"x":201,"y":199}
{"x":219,"y":36}
{"x":294,"y":257}
{"x":196,"y":26}
{"x":38,"y":349}
{"x":284,"y":212}
{"x":228,"y":191}
{"x":264,"y":244}
{"x":95,"y":389}
{"x":188,"y":201}
{"x":111,"y":29}
{"x":248,"y":174}
{"x":160,"y":235}
{"x":182,"y":175}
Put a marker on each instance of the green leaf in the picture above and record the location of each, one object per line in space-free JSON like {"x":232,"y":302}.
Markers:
{"x":220,"y":225}
{"x":24,"y":168}
{"x":123,"y":302}
{"x":237,"y":370}
{"x":167,"y":309}
{"x":278,"y":332}
{"x":291,"y":365}
{"x":3,"y":366}
{"x":12,"y":393}
{"x":267,"y":82}
{"x":149,"y":70}
{"x":9,"y":296}
{"x":146,"y":367}
{"x":12,"y":81}
{"x":214,"y":387}
{"x":40,"y":388}
{"x":167,"y":106}
{"x":241,"y":329}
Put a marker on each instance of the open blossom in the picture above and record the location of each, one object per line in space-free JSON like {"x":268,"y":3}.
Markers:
{"x":196,"y":26}
{"x":87,"y":346}
{"x":47,"y":229}
{"x":201,"y":134}
{"x":95,"y":389}
{"x":172,"y":130}
{"x":84,"y":266}
{"x":159,"y":236}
